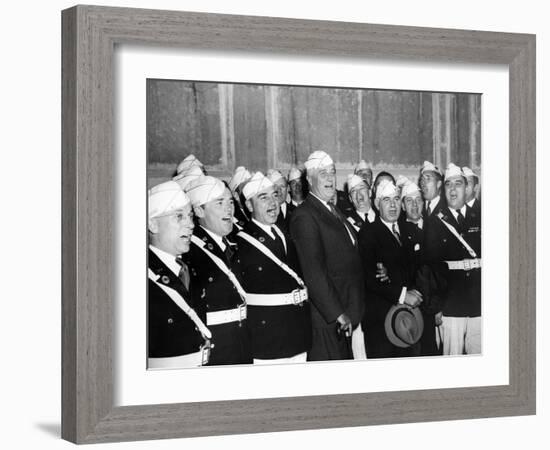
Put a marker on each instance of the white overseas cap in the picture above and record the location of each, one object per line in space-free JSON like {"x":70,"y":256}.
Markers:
{"x":258,"y":183}
{"x":410,"y":190}
{"x":204,"y":189}
{"x":166,"y":198}
{"x":453,"y":170}
{"x":355,"y":181}
{"x":185,"y":177}
{"x":294,"y":174}
{"x":468,"y":172}
{"x":240,"y":175}
{"x":274,"y":175}
{"x":386,"y":188}
{"x":361,"y":166}
{"x":401,"y":181}
{"x":187,"y":163}
{"x":317,"y":160}
{"x":429,"y":167}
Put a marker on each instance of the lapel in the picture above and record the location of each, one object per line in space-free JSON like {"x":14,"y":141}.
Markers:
{"x":211,"y":244}
{"x":167,"y":277}
{"x":385,"y":233}
{"x":356,"y":219}
{"x":327,"y":216}
{"x":261,"y":236}
{"x":448,"y":217}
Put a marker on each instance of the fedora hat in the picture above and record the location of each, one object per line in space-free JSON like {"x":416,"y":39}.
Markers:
{"x":404,"y":325}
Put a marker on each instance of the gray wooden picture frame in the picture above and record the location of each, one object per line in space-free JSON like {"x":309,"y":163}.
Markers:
{"x":90,"y":34}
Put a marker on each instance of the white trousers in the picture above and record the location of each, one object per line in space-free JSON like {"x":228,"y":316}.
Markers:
{"x":299,"y":358}
{"x":461,"y":335}
{"x":358,"y":343}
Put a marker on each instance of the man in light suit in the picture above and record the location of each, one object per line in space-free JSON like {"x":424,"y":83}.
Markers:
{"x":327,"y":250}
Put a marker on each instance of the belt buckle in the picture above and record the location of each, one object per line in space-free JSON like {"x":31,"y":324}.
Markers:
{"x":205,"y":353}
{"x":242,"y":312}
{"x":467,"y":265}
{"x":296,"y":299}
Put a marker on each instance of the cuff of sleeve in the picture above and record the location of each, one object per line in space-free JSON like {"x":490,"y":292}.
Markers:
{"x":402,"y":296}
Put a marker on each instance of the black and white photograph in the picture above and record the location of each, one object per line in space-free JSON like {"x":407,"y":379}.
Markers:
{"x":297,"y":224}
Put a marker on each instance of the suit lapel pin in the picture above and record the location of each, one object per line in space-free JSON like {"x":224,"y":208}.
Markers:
{"x":165,"y":279}
{"x":262,"y":239}
{"x":210,"y":246}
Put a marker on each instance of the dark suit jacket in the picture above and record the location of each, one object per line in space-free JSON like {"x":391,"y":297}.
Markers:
{"x":276,"y":331}
{"x":213,"y":289}
{"x":170,"y":330}
{"x":462,"y":296}
{"x":332,"y":271}
{"x":377,"y":244}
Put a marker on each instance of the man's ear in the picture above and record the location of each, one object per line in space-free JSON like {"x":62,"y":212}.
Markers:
{"x":199,"y":211}
{"x":249,"y":205}
{"x":439,"y":185}
{"x":153,"y":226}
{"x":377,"y":203}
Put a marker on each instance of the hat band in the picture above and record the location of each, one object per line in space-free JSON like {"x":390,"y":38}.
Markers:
{"x":394,"y":328}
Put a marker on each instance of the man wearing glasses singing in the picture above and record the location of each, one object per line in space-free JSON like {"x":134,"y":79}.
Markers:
{"x":177,"y":334}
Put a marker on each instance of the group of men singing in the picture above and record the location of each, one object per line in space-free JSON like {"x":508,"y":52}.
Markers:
{"x":271,"y":269}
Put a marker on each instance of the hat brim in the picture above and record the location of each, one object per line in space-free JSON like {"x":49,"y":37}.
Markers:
{"x":404,"y":325}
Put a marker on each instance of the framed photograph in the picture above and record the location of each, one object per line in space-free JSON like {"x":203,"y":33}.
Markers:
{"x":131,"y":78}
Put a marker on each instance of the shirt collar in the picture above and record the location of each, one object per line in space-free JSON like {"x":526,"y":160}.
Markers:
{"x":433,"y":203}
{"x":283,"y":209}
{"x":455,"y":213}
{"x":419,"y":222}
{"x":390,"y":225}
{"x":471,"y":202}
{"x":167,"y":259}
{"x":322,"y":201}
{"x":263,"y":226}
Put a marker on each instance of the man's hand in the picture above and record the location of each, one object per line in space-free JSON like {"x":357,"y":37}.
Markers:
{"x":413,"y":298}
{"x":344,"y":324}
{"x":382,"y":273}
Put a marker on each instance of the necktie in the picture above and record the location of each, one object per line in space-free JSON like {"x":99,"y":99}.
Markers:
{"x":428,"y":209}
{"x":343,"y":221}
{"x":228,"y":251}
{"x":396,"y":233}
{"x":278,"y":241}
{"x":459,"y":217}
{"x":183,"y":274}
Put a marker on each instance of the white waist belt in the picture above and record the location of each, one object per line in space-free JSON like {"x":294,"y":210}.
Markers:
{"x":196,"y":359}
{"x":465,"y":264}
{"x":296,"y":297}
{"x":226,"y":316}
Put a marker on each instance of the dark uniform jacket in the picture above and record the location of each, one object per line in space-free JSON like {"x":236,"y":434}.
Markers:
{"x":284,"y":221}
{"x":377,"y":244}
{"x":441,"y":204}
{"x":332,"y":272}
{"x":170,"y":330}
{"x":355,"y":219}
{"x":241,"y":214}
{"x":462,"y":297}
{"x":213,"y":289}
{"x":276,"y":331}
{"x":413,"y":241}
